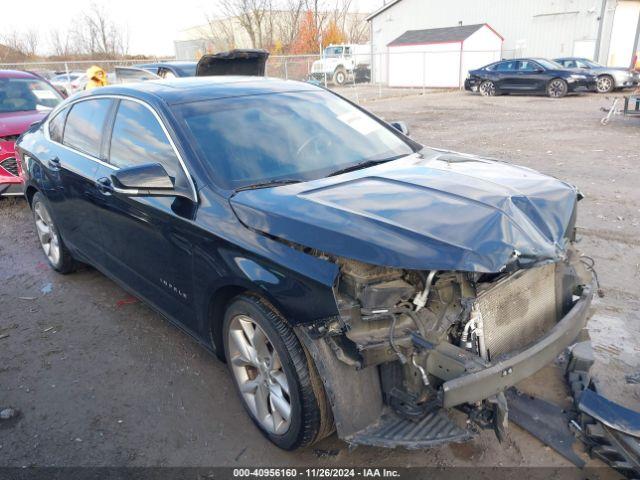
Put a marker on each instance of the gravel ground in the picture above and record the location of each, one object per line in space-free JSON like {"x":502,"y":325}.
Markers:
{"x":101,"y":379}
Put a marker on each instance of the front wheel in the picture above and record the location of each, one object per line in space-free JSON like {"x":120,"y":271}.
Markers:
{"x":487,"y":88}
{"x":557,"y":88}
{"x":340,"y":76}
{"x":278,"y":385}
{"x":604,"y":84}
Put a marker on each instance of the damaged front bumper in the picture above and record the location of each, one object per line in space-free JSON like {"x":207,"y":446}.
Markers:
{"x":494,"y":379}
{"x":471,"y":383}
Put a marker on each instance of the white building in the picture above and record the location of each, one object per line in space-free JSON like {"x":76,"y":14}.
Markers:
{"x":440,"y":57}
{"x":604,"y":30}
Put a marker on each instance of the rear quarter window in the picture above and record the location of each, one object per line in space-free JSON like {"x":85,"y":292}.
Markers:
{"x":56,"y":125}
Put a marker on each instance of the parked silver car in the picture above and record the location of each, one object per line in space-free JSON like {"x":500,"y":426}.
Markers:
{"x":608,"y":78}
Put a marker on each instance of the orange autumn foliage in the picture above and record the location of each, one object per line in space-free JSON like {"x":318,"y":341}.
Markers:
{"x":308,"y":37}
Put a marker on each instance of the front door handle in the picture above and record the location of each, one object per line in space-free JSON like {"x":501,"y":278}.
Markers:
{"x":104,"y":185}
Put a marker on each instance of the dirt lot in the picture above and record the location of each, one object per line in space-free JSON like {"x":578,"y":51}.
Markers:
{"x":100,"y":379}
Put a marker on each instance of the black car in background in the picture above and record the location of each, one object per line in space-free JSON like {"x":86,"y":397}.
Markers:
{"x":607,"y":78}
{"x":175,"y":69}
{"x":536,"y":75}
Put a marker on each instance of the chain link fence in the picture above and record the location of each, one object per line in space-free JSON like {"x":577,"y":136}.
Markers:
{"x":366,"y":77}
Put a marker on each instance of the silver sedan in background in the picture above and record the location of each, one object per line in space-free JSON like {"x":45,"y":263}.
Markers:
{"x":608,"y":78}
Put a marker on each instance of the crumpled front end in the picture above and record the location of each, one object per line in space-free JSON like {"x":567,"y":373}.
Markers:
{"x":433,"y":340}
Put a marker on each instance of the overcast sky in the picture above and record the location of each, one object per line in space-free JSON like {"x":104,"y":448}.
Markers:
{"x":152,"y":24}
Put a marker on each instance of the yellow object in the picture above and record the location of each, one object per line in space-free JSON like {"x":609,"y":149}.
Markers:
{"x":97,"y":77}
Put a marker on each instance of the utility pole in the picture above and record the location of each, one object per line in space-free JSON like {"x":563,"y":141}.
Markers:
{"x":603,"y":8}
{"x":635,"y":44}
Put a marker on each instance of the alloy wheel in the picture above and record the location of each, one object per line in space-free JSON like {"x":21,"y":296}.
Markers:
{"x":258,"y":371}
{"x":487,"y":89}
{"x":557,"y":88}
{"x":47,"y":234}
{"x":604,"y":84}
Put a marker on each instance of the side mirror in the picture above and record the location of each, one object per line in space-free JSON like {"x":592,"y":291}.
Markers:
{"x":147,"y":179}
{"x":539,"y":70}
{"x":401,"y":127}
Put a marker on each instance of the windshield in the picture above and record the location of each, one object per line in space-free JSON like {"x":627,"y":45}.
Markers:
{"x":549,"y":64}
{"x":591,"y":63}
{"x":333,"y":52}
{"x":293,"y":136}
{"x":25,"y":94}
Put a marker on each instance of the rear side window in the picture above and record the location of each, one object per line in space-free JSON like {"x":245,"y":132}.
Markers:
{"x":506,"y":67}
{"x":56,"y":126}
{"x":138,"y":139}
{"x":85,"y":124}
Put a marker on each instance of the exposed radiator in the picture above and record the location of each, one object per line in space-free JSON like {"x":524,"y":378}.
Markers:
{"x":518,"y":310}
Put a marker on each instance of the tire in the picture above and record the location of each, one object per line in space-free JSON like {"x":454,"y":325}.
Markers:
{"x":273,"y":375}
{"x":557,"y":88}
{"x":605,"y":84}
{"x":487,"y":89}
{"x":51,"y":242}
{"x":340,"y":76}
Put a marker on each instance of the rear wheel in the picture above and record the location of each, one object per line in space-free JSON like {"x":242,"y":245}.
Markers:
{"x":487,"y":88}
{"x":604,"y":84}
{"x":54,"y":249}
{"x":278,"y":385}
{"x":557,"y":88}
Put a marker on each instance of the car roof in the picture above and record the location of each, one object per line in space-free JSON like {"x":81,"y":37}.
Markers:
{"x":194,"y":89}
{"x":17,"y":74}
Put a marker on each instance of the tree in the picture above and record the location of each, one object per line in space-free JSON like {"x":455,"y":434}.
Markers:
{"x":254,"y":17}
{"x":61,"y":43}
{"x":333,"y":35}
{"x":95,"y":34}
{"x":308,"y":38}
{"x":289,"y":22}
{"x":21,"y":44}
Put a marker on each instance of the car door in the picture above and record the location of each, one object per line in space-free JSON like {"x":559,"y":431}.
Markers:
{"x":148,"y":240}
{"x":530,"y":76}
{"x":77,"y":135}
{"x":505,"y":74}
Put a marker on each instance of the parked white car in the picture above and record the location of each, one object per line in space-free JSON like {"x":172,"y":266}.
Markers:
{"x":70,"y":83}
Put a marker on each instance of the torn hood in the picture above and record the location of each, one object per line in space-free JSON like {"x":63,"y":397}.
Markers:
{"x":434,"y":210}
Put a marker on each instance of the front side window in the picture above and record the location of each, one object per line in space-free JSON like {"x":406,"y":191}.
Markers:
{"x":27,"y":94}
{"x":85,"y":124}
{"x":138,"y":139}
{"x":293,"y":136}
{"x":527,"y":66}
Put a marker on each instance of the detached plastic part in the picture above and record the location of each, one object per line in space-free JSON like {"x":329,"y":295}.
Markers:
{"x":437,"y":428}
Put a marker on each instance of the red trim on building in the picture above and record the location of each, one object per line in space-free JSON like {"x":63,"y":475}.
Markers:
{"x":426,"y":43}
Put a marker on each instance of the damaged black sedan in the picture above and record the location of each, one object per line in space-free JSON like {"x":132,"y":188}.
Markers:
{"x":352,"y":279}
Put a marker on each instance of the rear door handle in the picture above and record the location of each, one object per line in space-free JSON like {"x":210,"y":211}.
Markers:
{"x":54,"y":163}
